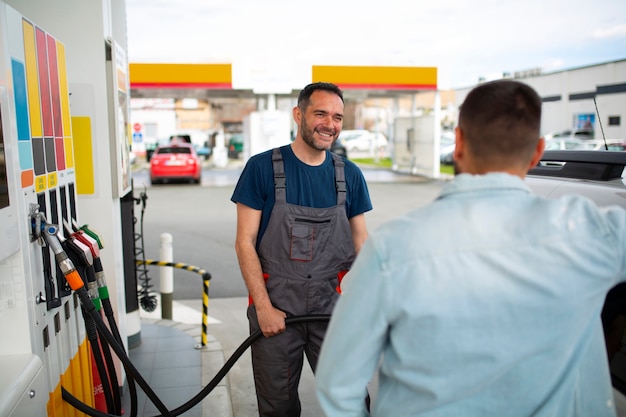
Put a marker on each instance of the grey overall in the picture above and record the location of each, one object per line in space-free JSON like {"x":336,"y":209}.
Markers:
{"x":302,"y":252}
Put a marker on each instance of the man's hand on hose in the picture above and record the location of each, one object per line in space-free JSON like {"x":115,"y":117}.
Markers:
{"x":271,"y":321}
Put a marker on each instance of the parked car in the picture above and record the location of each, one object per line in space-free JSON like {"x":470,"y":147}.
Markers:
{"x":180,"y":138}
{"x":567,"y":143}
{"x":600,"y":176}
{"x":446,"y":149}
{"x":175,"y":161}
{"x":575,"y":133}
{"x":235,"y":146}
{"x":150,"y":147}
{"x":203,"y":151}
{"x":570,"y":143}
{"x":361,"y":140}
{"x":602,"y":145}
{"x":339,"y":148}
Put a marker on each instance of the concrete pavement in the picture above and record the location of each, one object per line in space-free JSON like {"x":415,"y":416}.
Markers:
{"x":234,"y":396}
{"x":177,"y":367}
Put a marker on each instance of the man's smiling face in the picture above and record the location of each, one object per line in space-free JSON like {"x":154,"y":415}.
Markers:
{"x":321,"y":123}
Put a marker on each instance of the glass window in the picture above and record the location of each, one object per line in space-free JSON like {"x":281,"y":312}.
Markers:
{"x":174,"y":150}
{"x":614,"y":120}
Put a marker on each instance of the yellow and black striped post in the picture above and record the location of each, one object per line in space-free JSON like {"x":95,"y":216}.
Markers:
{"x":205,"y":314}
{"x":206,"y":277}
{"x":174,"y":265}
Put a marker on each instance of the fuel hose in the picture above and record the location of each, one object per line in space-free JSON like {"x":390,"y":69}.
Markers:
{"x":83,"y":296}
{"x":103,"y":291}
{"x":68,"y":397}
{"x":98,"y":290}
{"x":77,"y":284}
{"x":81,"y":255}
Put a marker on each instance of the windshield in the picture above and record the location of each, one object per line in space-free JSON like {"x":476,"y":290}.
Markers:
{"x":174,"y":150}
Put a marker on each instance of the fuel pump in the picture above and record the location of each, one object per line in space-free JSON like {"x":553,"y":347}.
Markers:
{"x":44,"y":167}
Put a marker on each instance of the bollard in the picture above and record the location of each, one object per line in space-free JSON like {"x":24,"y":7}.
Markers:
{"x":167,"y":276}
{"x":167,"y":284}
{"x":205,"y":312}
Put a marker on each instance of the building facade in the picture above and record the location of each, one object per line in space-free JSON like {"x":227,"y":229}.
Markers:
{"x":590,"y":97}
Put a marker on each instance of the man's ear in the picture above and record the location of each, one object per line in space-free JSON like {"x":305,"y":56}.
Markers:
{"x":297,"y":115}
{"x":541,"y":145}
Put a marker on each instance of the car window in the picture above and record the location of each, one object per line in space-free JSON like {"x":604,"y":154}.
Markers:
{"x":180,"y":138}
{"x":174,"y":150}
{"x":553,"y":145}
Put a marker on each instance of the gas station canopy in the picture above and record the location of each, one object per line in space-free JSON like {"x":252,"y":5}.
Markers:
{"x":205,"y":81}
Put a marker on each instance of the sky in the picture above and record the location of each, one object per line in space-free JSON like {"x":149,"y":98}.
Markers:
{"x":464,"y":39}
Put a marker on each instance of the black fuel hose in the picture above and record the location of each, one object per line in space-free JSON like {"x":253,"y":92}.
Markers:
{"x":84,"y":264}
{"x":120,"y":352}
{"x":235,"y":356}
{"x":80,"y":406}
{"x":132,"y":389}
{"x":103,"y":293}
{"x":111,"y":376}
{"x":97,"y":352}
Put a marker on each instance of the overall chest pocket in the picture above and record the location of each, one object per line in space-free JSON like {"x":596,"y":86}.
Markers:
{"x":307,"y":237}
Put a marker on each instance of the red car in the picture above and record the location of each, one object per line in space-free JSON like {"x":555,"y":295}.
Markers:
{"x":175,"y":161}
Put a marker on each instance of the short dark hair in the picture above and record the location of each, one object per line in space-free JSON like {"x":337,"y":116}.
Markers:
{"x":501,"y":121}
{"x":304,"y":98}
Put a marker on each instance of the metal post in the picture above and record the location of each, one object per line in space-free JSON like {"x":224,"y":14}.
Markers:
{"x":205,"y":314}
{"x":166,"y":274}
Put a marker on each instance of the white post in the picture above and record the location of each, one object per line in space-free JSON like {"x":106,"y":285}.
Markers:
{"x":167,"y":276}
{"x":220,"y":151}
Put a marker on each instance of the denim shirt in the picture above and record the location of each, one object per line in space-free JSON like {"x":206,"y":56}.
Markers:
{"x":484,"y":303}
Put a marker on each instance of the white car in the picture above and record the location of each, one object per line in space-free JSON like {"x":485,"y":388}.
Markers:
{"x":575,"y":143}
{"x":446,"y":149}
{"x":576,"y":133}
{"x":569,"y":143}
{"x":362,"y":140}
{"x":602,"y":145}
{"x":600,"y":176}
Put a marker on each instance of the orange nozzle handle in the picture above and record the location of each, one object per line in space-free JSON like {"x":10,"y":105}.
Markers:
{"x":74,"y":279}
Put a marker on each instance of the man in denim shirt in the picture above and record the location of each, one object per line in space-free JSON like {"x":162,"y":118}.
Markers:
{"x":486,"y":302}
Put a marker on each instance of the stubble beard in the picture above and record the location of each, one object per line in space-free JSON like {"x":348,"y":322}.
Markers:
{"x":308,"y":136}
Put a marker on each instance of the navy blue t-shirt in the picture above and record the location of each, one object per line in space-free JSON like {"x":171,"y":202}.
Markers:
{"x":309,"y":186}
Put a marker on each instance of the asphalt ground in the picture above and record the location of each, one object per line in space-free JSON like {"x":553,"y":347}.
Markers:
{"x":202,"y":222}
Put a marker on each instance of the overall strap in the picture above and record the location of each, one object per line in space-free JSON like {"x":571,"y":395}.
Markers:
{"x":280,"y":184}
{"x":340,"y":178}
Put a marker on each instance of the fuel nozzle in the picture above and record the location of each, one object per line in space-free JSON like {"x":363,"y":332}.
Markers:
{"x":51,"y":234}
{"x":37,"y":220}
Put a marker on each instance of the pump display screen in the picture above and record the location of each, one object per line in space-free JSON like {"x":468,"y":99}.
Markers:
{"x":4,"y":186}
